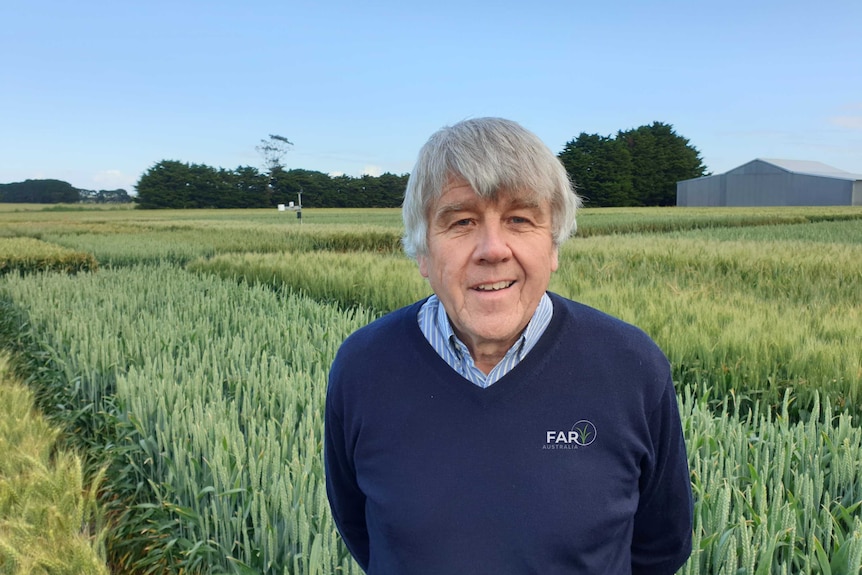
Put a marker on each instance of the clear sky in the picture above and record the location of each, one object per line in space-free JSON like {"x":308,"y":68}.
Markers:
{"x":97,"y":92}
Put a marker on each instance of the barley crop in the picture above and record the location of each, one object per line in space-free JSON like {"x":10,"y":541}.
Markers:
{"x":753,"y":317}
{"x":380,"y":282}
{"x":25,"y":255}
{"x":49,"y":523}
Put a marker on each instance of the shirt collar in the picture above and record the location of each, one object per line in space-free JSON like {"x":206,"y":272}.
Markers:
{"x":525,"y":342}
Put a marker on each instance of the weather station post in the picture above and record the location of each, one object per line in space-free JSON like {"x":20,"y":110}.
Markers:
{"x":291,"y":207}
{"x":299,"y":207}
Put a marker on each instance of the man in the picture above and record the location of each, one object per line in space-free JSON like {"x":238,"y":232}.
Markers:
{"x":496,"y":427}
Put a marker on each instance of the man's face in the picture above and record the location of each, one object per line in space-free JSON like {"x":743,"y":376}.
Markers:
{"x":489,"y":262}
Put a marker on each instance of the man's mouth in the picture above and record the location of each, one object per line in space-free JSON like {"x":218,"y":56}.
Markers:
{"x":494,"y":286}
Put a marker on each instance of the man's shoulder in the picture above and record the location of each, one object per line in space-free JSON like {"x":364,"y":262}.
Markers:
{"x":622,"y":356}
{"x":377,"y":354}
{"x":589,"y":318}
{"x":383,"y":332}
{"x":604,"y":332}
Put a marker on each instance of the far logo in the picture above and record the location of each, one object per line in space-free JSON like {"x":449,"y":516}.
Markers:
{"x":582,"y":434}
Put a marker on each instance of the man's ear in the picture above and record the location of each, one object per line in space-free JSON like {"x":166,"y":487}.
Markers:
{"x":555,"y":260}
{"x":423,"y":265}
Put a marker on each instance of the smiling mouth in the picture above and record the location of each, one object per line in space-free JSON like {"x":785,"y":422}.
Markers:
{"x":496,"y":286}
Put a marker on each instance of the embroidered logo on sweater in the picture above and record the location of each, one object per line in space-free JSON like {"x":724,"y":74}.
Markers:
{"x":582,"y":434}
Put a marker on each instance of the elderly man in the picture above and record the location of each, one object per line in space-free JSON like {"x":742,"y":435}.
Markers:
{"x":496,"y":427}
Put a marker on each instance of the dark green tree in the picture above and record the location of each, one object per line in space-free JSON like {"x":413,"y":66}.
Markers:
{"x":208,"y":187}
{"x":343,"y":194}
{"x":638,"y":167}
{"x":391,"y":189}
{"x":316,"y":188}
{"x":251,"y":188}
{"x":39,"y":192}
{"x":601,"y":169}
{"x":172,"y":184}
{"x":164,"y":185}
{"x":660,"y":158}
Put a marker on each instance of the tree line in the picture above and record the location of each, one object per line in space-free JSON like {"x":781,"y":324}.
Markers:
{"x":637,"y":167}
{"x":174,"y":184}
{"x":57,"y":192}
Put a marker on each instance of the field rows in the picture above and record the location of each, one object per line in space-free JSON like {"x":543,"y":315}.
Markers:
{"x":194,"y":362}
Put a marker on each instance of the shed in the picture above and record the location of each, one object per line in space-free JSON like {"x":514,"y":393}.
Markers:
{"x":764,"y":182}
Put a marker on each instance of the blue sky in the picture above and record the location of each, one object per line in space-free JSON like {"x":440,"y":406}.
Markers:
{"x":96,"y":92}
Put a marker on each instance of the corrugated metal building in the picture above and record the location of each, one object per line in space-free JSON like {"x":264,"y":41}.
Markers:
{"x":773,"y":183}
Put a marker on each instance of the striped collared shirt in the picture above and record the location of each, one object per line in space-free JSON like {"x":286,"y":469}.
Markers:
{"x":435,"y":325}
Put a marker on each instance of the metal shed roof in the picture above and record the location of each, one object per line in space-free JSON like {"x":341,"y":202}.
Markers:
{"x":811,"y":168}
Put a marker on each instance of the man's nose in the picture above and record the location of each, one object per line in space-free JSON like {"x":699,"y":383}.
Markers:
{"x":493,"y":245}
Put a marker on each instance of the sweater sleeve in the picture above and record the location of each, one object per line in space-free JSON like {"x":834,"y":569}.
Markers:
{"x":346,"y":499}
{"x":661,"y":541}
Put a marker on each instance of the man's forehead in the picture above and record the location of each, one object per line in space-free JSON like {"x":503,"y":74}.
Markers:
{"x":461,"y":192}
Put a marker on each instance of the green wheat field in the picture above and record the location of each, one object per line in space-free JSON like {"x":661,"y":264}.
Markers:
{"x":182,"y":357}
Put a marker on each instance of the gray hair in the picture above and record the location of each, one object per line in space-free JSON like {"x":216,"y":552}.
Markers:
{"x":491,"y":155}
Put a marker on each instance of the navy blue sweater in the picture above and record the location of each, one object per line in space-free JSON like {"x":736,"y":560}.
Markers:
{"x":574,"y":462}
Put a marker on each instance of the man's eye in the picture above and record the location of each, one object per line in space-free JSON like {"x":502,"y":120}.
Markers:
{"x":464,"y":222}
{"x":519,"y":220}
